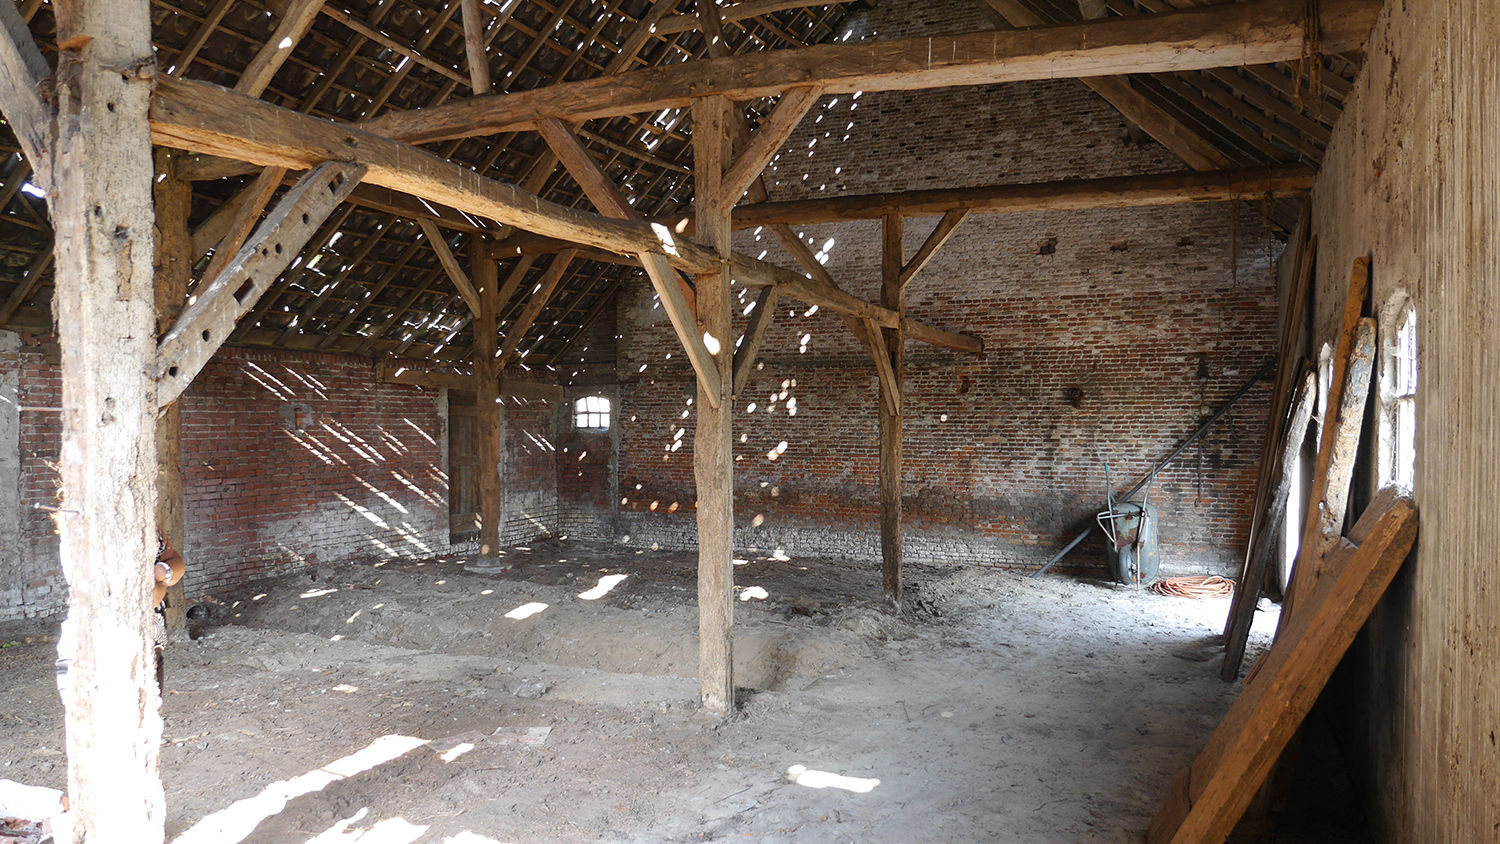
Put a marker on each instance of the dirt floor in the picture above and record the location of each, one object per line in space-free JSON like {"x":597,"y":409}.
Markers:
{"x":411,"y":701}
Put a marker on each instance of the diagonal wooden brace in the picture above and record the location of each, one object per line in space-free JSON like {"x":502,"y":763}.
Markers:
{"x":204,"y":325}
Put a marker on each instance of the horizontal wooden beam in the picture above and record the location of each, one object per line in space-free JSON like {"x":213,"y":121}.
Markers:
{"x":511,"y":388}
{"x":200,"y":117}
{"x":1227,"y":35}
{"x":1068,"y":195}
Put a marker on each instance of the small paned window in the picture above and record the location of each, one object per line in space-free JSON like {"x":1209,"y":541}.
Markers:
{"x":591,"y":413}
{"x":1398,"y":394}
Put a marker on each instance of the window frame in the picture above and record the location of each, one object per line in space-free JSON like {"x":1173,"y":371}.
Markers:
{"x":592,"y":414}
{"x":1400,"y":383}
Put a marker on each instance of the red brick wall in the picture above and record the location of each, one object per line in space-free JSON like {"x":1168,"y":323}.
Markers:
{"x":364,"y":479}
{"x":40,"y":390}
{"x":587,"y":483}
{"x":530,"y":508}
{"x":1109,"y":335}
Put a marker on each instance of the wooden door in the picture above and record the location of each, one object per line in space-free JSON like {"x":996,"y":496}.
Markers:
{"x":463,"y":468}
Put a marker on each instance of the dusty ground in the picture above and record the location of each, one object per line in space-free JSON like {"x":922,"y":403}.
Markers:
{"x":399,"y":703}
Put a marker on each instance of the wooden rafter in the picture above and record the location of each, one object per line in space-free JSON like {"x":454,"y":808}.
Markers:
{"x":23,"y":73}
{"x":450,"y":264}
{"x":294,"y":24}
{"x":474,"y":46}
{"x":1066,"y":195}
{"x":1195,"y":150}
{"x":204,"y":118}
{"x":1229,"y":35}
{"x":204,"y":325}
{"x":516,"y":331}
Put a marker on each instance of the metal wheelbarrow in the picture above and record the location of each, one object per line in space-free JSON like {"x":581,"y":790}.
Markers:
{"x":1131,"y":545}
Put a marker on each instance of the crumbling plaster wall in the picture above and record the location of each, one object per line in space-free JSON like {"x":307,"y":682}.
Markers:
{"x":1411,"y":180}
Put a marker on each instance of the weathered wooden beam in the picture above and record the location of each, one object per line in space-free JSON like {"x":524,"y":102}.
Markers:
{"x":173,"y":198}
{"x":295,"y":22}
{"x":199,"y":117}
{"x":1228,"y":35}
{"x":1210,"y":795}
{"x":390,"y":372}
{"x":713,"y":444}
{"x":1195,"y":150}
{"x":939,"y":236}
{"x":1242,"y":612}
{"x":526,"y":243}
{"x":891,"y":346}
{"x":455,"y":273}
{"x":491,"y":414}
{"x":23,"y":75}
{"x":674,"y":24}
{"x":1320,"y":520}
{"x":248,"y":204}
{"x":677,"y":299}
{"x":474,"y":46}
{"x":206,"y":324}
{"x":104,"y":305}
{"x":516,"y":331}
{"x":767,"y":141}
{"x":1063,"y":195}
{"x":888,"y":385}
{"x":754,"y":337}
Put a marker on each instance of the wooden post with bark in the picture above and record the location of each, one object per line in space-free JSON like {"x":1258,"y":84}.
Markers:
{"x":106,"y":324}
{"x":893,"y":296}
{"x":713,"y":447}
{"x":485,"y":276}
{"x":174,"y":268}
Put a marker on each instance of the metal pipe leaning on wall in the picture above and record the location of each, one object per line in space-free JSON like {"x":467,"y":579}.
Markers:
{"x":1194,"y":437}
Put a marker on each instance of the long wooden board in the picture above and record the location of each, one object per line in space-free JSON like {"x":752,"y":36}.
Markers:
{"x":1208,"y":798}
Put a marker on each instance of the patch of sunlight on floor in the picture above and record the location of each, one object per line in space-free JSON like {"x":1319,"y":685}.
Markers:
{"x":526,"y":610}
{"x":238,"y":820}
{"x":804,"y":776}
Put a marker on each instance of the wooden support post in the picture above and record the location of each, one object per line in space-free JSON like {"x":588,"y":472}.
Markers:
{"x":105,"y":307}
{"x":474,"y":46}
{"x":486,"y":278}
{"x":174,"y":268}
{"x":893,"y":296}
{"x":713,"y":447}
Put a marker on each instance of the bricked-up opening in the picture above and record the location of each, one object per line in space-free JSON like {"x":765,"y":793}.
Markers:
{"x":591,"y":413}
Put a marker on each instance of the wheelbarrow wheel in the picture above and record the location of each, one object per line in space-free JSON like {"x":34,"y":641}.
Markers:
{"x":1126,"y":571}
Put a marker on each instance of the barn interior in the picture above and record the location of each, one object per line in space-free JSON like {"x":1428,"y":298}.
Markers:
{"x":683,"y":420}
